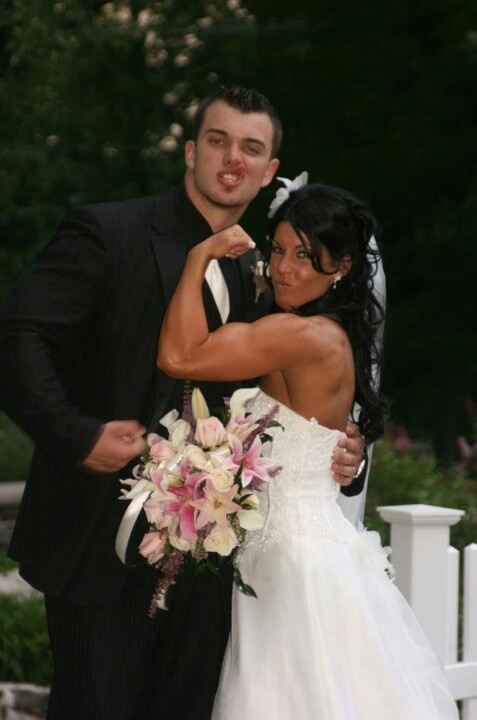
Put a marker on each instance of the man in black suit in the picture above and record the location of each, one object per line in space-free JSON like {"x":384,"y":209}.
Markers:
{"x":78,"y":340}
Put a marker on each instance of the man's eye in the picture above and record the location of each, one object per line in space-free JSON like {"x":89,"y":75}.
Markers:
{"x":252,"y":149}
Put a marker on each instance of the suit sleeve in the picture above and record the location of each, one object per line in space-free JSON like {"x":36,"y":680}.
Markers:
{"x":42,"y":312}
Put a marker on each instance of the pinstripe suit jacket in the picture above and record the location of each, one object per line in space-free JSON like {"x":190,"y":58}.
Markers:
{"x":78,"y":339}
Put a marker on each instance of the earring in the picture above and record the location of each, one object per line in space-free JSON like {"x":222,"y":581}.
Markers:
{"x":336,"y":280}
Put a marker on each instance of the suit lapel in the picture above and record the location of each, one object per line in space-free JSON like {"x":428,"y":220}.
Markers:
{"x":168,"y":245}
{"x":176,"y":227}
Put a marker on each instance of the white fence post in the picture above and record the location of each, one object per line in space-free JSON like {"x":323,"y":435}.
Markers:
{"x":452,"y":620}
{"x":420,"y":542}
{"x":469,"y":639}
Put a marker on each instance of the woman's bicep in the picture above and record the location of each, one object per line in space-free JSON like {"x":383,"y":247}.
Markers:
{"x":237,"y":351}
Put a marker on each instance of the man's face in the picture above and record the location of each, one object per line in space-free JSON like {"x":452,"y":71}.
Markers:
{"x":231,"y":159}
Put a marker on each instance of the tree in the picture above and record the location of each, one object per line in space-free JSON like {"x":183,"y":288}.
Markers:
{"x":382,"y":100}
{"x":95,"y":98}
{"x":378,"y":99}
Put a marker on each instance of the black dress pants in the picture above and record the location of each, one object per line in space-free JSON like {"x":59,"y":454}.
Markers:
{"x":116,"y":663}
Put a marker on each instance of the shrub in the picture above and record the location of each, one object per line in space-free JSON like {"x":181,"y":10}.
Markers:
{"x":15,"y":451}
{"x":24,"y":645}
{"x":405,"y":478}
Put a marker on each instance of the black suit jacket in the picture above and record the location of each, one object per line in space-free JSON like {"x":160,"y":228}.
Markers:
{"x":78,"y":341}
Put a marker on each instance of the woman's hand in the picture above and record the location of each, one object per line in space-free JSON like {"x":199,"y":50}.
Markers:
{"x":232,"y":242}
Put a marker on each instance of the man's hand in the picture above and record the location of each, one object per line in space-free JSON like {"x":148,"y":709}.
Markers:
{"x":348,"y":456}
{"x":120,"y":441}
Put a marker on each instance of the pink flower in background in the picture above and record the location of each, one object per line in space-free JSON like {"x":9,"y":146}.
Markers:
{"x":401,"y":440}
{"x":466,"y":451}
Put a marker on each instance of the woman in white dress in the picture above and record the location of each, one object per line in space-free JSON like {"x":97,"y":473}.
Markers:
{"x":329,"y":636}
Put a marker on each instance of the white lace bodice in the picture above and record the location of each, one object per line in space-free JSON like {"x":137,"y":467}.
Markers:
{"x":302,"y":498}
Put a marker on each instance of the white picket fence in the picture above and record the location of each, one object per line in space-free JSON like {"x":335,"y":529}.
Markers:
{"x":427,"y":573}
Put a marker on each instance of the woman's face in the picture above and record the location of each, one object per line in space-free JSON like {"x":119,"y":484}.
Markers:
{"x":295,"y":281}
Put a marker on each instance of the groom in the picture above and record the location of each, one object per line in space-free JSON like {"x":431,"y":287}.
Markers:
{"x":78,"y":338}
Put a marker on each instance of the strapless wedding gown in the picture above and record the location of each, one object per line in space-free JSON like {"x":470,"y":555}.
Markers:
{"x":329,"y":636}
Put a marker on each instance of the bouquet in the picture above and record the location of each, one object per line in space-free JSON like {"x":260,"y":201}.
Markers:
{"x":199,"y":488}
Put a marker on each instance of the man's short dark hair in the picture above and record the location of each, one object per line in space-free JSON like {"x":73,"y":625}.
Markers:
{"x":245,"y":100}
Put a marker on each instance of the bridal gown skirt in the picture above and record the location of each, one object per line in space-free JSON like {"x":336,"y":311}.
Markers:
{"x":329,"y":636}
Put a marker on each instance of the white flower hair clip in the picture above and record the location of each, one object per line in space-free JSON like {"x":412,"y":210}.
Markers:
{"x":284,"y":193}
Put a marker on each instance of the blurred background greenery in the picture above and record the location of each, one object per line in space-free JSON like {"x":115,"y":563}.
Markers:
{"x":380,"y":98}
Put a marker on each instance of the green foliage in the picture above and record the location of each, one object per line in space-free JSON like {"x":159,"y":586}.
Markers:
{"x":405,"y":478}
{"x":381,"y":101}
{"x":6,"y":564}
{"x":110,"y":126}
{"x":15,"y":452}
{"x":24,"y":646}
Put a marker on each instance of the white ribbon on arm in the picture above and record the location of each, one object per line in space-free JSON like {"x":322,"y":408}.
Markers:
{"x":139,"y":494}
{"x":218,"y":287}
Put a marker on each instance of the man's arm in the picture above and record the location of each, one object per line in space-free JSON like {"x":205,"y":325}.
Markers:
{"x":39,"y":316}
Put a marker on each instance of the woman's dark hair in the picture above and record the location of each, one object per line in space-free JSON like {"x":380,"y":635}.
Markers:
{"x":330,"y":217}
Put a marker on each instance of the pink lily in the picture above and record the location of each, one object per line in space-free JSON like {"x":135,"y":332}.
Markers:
{"x":254,"y":466}
{"x":215,"y":506}
{"x":182,"y":505}
{"x":240,"y":425}
{"x":235,"y":458}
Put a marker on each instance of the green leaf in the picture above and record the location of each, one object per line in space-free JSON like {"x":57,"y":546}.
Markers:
{"x":242,"y":586}
{"x":213,"y":568}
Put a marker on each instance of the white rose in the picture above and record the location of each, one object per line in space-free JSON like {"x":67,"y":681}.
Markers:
{"x":222,"y":480}
{"x":180,"y":543}
{"x":196,"y":455}
{"x":221,"y":541}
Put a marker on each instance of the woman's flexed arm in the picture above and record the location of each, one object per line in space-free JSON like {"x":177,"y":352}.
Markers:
{"x":185,"y":328}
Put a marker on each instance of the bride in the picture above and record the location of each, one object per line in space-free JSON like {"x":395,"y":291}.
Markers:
{"x":329,"y":636}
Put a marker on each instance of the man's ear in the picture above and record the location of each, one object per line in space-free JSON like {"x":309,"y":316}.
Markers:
{"x":270,"y":172}
{"x":189,"y":154}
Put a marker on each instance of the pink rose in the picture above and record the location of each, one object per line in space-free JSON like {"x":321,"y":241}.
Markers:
{"x":152,"y":547}
{"x":210,"y":432}
{"x":162,"y":449}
